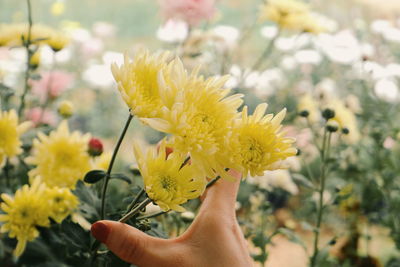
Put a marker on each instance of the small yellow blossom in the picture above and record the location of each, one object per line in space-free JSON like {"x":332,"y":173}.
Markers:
{"x":35,"y":60}
{"x":23,"y":213}
{"x":257,"y":143}
{"x":10,"y":131}
{"x":66,"y":109}
{"x":291,"y":15}
{"x":346,"y":120}
{"x":309,"y":104}
{"x":61,"y":202}
{"x":138,"y":82}
{"x":60,"y":159}
{"x":165,"y":182}
{"x":57,"y":8}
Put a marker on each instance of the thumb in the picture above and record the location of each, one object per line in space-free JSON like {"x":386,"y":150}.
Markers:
{"x":129,"y":243}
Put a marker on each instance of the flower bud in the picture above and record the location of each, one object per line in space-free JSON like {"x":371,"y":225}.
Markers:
{"x":345,"y":131}
{"x":328,"y":113}
{"x":304,"y":113}
{"x":66,"y":109}
{"x":34,"y":60}
{"x":332,"y":126}
{"x":95,"y":147}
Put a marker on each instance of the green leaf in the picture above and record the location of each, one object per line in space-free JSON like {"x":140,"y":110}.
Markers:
{"x":94,"y":176}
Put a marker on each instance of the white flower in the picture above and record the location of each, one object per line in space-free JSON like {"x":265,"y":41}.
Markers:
{"x":234,"y":77}
{"x":380,"y":25}
{"x":269,"y":32}
{"x":392,"y":34}
{"x":276,"y":179}
{"x":308,"y":56}
{"x":386,"y":89}
{"x":288,"y":63}
{"x":228,"y":34}
{"x":104,"y":29}
{"x":173,"y":31}
{"x":293,"y":43}
{"x":98,"y":75}
{"x":342,"y":47}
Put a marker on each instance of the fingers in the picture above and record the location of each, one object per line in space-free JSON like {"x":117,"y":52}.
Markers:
{"x":222,"y":195}
{"x":130,"y":244}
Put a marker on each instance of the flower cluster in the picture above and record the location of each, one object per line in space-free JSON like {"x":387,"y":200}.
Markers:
{"x":202,"y":122}
{"x":31,"y":207}
{"x":13,"y":34}
{"x":344,"y":117}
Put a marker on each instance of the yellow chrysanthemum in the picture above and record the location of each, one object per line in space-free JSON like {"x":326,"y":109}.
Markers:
{"x":165,"y":182}
{"x":309,"y":104}
{"x":138,"y":82}
{"x":199,"y":119}
{"x":10,"y":131}
{"x":346,"y":121}
{"x":291,"y":15}
{"x":257,"y":143}
{"x":61,"y":159}
{"x":61,"y":203}
{"x":23,"y":213}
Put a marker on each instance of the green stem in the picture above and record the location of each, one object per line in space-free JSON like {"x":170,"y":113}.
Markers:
{"x":324,"y":156}
{"x":135,"y":200}
{"x":27,"y":44}
{"x":134,"y":211}
{"x":108,"y":175}
{"x":266,"y":52}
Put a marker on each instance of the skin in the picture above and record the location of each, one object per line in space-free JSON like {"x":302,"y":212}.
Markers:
{"x":213,"y":239}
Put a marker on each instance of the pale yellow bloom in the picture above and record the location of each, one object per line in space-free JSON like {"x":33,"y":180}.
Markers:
{"x":346,"y":119}
{"x":291,"y":15}
{"x":199,"y":116}
{"x":57,"y":8}
{"x":257,"y":143}
{"x":23,"y":213}
{"x":166,"y":182}
{"x":10,"y":132}
{"x":308,"y":103}
{"x":60,"y":159}
{"x":61,"y":202}
{"x":138,"y":82}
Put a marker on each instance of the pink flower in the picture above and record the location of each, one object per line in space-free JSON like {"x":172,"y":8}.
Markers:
{"x":39,"y":116}
{"x":191,"y":11}
{"x":51,"y":85}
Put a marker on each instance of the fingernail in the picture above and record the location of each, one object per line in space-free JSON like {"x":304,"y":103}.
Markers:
{"x":100,"y":231}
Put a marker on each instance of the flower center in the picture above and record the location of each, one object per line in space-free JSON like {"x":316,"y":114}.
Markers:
{"x":168,"y":183}
{"x":252,"y":152}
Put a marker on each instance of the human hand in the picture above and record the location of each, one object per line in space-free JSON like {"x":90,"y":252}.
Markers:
{"x":213,"y":239}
